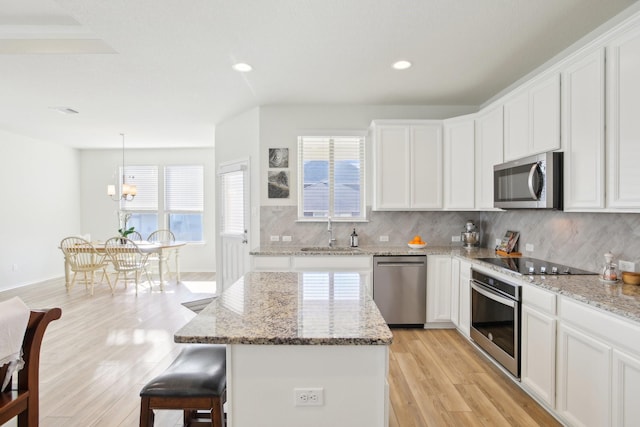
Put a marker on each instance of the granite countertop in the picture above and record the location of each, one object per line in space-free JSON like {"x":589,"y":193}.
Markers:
{"x":618,"y":298}
{"x":381,"y":250}
{"x":276,"y":308}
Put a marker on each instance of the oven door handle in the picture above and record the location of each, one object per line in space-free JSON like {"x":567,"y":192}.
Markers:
{"x":492,"y":295}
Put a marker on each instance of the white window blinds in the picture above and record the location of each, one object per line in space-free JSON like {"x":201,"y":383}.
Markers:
{"x":184,"y":188}
{"x":331,"y":177}
{"x":145,"y":178}
{"x":232,"y":186}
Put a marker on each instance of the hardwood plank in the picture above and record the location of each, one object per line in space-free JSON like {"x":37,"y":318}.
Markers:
{"x":439,"y":381}
{"x":444,"y":361}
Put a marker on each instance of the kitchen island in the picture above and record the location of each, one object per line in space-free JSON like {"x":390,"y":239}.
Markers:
{"x":291,"y":333}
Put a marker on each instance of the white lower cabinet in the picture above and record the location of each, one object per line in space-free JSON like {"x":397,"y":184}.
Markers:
{"x":460,"y":295}
{"x":598,"y":367}
{"x":584,"y":391}
{"x":438,"y":288}
{"x":583,"y":363}
{"x":455,"y":291}
{"x":464,"y":298}
{"x":538,"y":345}
{"x":625,"y":389}
{"x":539,"y":354}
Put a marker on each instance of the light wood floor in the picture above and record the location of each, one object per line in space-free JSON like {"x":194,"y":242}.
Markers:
{"x":97,"y":357}
{"x":437,"y":378}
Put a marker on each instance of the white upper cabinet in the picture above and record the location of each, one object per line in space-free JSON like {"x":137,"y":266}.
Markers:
{"x":583,"y":116}
{"x":408,"y":159}
{"x":516,"y":127}
{"x":623,"y":121}
{"x":545,"y":115}
{"x":532,"y":119}
{"x":459,"y":163}
{"x":489,"y":146}
{"x":426,"y":166}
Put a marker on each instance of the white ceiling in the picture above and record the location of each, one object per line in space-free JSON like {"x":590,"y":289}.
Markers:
{"x":160,"y":70}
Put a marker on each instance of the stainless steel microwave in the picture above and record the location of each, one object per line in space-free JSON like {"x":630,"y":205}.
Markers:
{"x":533,"y":182}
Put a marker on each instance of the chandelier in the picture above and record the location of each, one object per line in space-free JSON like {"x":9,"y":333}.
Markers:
{"x":128,"y":191}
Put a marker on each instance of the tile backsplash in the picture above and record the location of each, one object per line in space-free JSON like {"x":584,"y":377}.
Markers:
{"x":575,"y":239}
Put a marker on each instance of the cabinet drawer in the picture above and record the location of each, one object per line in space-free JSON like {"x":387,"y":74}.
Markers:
{"x":271,"y":263}
{"x":609,"y":327}
{"x":540,"y":299}
{"x":332,"y":262}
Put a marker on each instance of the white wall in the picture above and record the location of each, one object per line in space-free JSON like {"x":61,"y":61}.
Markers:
{"x":40,"y":196}
{"x":100,"y":168}
{"x":280,"y":127}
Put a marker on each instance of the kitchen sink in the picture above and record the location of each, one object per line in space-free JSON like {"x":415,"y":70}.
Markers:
{"x":328,"y":249}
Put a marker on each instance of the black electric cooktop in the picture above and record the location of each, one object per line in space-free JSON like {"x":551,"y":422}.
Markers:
{"x":528,"y":266}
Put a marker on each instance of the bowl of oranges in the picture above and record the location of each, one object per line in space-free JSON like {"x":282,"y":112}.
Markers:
{"x":417,"y":243}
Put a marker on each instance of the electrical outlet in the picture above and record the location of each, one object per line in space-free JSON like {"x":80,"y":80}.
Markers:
{"x":627,"y":265}
{"x":498,"y":241}
{"x":455,"y":238}
{"x":308,"y":396}
{"x":528,"y":247}
{"x":14,"y":267}
{"x":286,"y":238}
{"x":384,"y":238}
{"x":275,"y":238}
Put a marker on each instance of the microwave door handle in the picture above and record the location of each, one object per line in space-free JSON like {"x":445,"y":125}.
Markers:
{"x":532,"y":174}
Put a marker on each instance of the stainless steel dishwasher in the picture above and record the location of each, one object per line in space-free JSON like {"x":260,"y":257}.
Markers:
{"x":400,"y":289}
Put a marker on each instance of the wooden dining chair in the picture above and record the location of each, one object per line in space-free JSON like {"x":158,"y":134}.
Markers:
{"x":161,"y":236}
{"x":83,"y":258}
{"x":127,"y":258}
{"x":22,"y":399}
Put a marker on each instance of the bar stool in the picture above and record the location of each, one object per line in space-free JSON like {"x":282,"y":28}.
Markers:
{"x":195,"y":381}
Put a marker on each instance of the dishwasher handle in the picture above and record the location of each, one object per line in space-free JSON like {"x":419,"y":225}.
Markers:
{"x":400,"y":264}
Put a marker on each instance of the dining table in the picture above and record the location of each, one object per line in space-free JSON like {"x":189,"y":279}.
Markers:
{"x":163,"y":249}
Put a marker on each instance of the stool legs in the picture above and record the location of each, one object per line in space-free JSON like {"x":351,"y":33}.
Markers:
{"x":146,"y":413}
{"x":214,"y":415}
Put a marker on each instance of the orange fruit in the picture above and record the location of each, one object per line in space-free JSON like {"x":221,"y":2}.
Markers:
{"x":417,"y":240}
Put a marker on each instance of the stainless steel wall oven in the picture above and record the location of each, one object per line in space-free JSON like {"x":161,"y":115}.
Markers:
{"x":495,"y":319}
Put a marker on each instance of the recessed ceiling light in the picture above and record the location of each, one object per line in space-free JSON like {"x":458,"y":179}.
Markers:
{"x":401,"y":65}
{"x":242,"y":67}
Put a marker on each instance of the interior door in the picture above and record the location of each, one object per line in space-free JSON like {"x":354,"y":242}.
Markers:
{"x":234,"y":221}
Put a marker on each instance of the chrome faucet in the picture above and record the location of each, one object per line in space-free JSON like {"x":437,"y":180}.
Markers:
{"x":332,"y":240}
